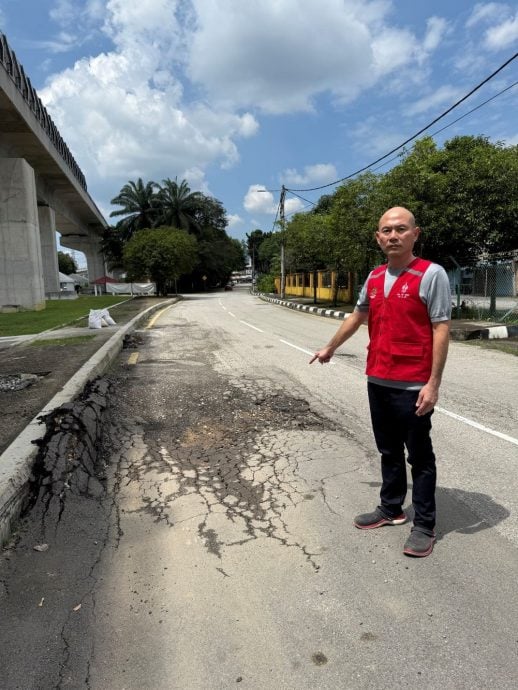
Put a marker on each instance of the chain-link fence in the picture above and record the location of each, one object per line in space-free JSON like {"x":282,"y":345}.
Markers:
{"x":487,"y":289}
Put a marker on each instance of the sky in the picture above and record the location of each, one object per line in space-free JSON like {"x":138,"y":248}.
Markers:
{"x":237,"y":96}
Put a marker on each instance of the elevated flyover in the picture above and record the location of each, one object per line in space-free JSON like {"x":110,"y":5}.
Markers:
{"x":42,"y":190}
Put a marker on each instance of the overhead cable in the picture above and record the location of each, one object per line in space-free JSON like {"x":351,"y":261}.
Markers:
{"x":414,"y":136}
{"x":437,"y":131}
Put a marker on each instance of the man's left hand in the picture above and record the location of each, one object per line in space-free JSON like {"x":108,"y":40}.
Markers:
{"x":428,"y":396}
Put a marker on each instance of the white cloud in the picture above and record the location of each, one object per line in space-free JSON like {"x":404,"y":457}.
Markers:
{"x":273,"y":59}
{"x":123,"y":113}
{"x":234,"y":221}
{"x":63,"y":43}
{"x":392,"y":49}
{"x":292,"y":205}
{"x":503,"y":35}
{"x":177,"y":88}
{"x":445,"y":95}
{"x":436,"y":28}
{"x":487,"y":12}
{"x":504,"y":24}
{"x":373,"y":138}
{"x":63,"y":12}
{"x":79,"y":20}
{"x":258,"y":200}
{"x":320,"y":173}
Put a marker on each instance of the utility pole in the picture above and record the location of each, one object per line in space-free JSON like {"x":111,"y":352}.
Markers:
{"x":283,"y":267}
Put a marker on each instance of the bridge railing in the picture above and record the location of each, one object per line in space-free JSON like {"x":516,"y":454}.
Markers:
{"x":15,"y":70}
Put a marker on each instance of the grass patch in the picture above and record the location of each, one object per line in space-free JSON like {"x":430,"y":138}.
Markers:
{"x":72,"y":340}
{"x":507,"y":345}
{"x":57,"y":313}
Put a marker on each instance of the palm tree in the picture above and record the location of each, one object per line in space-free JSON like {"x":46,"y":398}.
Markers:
{"x":139,"y":203}
{"x":178,"y":206}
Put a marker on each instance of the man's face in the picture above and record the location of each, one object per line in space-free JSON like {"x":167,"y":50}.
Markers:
{"x":397,"y":234}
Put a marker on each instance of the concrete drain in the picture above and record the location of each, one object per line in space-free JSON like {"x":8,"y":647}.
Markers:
{"x":17,"y":382}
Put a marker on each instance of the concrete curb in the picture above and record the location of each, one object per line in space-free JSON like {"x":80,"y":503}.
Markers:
{"x":455,"y":334}
{"x":490,"y":333}
{"x":329,"y":313}
{"x":17,"y":460}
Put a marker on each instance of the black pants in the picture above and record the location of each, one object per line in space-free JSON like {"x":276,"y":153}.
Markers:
{"x":396,"y":426}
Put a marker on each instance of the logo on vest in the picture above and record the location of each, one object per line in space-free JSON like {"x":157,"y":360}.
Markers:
{"x":403,"y":293}
{"x":373,"y":293}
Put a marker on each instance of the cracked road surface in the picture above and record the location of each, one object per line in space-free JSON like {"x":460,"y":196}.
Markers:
{"x":210,"y":543}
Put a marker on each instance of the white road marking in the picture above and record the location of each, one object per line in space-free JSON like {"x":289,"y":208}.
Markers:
{"x":307,"y":352}
{"x":231,"y":314}
{"x":453,"y":415}
{"x":478,"y":426}
{"x":250,"y":326}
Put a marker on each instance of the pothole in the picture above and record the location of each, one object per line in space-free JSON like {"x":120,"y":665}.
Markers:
{"x":132,"y":341}
{"x":17,"y":382}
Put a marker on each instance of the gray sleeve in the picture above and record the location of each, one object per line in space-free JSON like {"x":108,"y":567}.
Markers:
{"x":436,"y":293}
{"x":362,"y":304}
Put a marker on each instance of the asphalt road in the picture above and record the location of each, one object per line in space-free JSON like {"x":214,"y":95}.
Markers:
{"x":220,"y":548}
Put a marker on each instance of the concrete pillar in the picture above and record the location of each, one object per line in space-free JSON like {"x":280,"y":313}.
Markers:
{"x":21,"y":272}
{"x":91,"y":248}
{"x":49,"y":249}
{"x":94,"y":261}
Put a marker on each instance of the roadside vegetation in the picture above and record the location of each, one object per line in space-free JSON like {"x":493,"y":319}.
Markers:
{"x":57,"y":313}
{"x":173,"y":236}
{"x":463,"y":196}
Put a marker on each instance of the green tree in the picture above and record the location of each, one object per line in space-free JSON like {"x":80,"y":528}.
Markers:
{"x":112,"y":247}
{"x":174,"y":205}
{"x":307,"y":244}
{"x":323,"y":205}
{"x":477,"y":209}
{"x":254,"y":240}
{"x":162,"y":255}
{"x":218,"y":257}
{"x":66,"y":263}
{"x":178,"y":206}
{"x":139,"y":207}
{"x":210,"y":213}
{"x":463,"y":196}
{"x":354,"y":217}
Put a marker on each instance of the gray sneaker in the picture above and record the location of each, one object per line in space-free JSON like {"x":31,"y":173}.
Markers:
{"x":377,"y":519}
{"x":419,"y":544}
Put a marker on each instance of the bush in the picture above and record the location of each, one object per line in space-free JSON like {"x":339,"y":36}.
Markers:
{"x":266,"y":283}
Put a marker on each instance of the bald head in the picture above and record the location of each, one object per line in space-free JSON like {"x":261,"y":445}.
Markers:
{"x":397,"y":233}
{"x":395,"y":215}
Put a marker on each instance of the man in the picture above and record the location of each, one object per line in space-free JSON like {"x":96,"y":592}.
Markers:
{"x":407,"y":304}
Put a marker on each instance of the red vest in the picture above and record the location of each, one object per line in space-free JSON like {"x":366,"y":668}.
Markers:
{"x":400,"y":330}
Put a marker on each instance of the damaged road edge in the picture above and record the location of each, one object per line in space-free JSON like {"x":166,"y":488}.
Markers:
{"x":68,"y":457}
{"x":16,"y":462}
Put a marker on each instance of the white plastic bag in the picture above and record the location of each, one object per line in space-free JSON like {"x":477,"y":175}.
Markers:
{"x":95,"y":319}
{"x":105,"y":314}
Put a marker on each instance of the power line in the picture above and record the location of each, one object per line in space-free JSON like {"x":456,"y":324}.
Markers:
{"x":311,"y":203}
{"x":450,"y":124}
{"x":276,"y":216}
{"x":414,"y":136}
{"x":437,"y":131}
